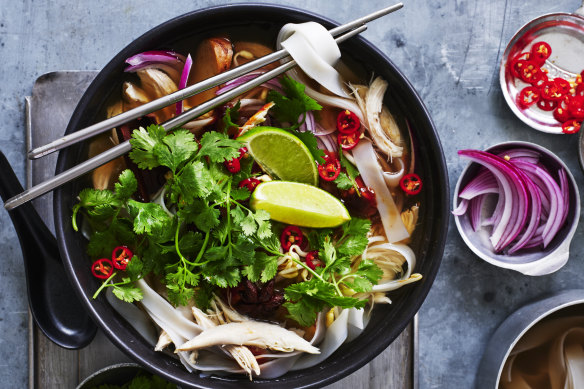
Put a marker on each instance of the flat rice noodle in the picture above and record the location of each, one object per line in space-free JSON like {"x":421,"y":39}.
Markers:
{"x":315,"y":51}
{"x":407,"y":277}
{"x":336,"y":335}
{"x":135,"y":317}
{"x":549,"y":355}
{"x":173,"y":320}
{"x":366,"y":161}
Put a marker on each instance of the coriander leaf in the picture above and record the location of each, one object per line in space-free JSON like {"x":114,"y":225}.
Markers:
{"x":369,"y":270}
{"x":231,"y":117}
{"x":228,"y":277}
{"x":313,"y":296}
{"x":354,"y":240}
{"x":135,"y":268}
{"x":143,"y":143}
{"x":203,"y":296}
{"x":119,"y":232}
{"x":208,"y":217}
{"x":238,"y":215}
{"x":128,"y":293}
{"x":366,"y":275}
{"x":304,"y":311}
{"x":179,"y":294}
{"x":99,"y":204}
{"x":248,"y":224}
{"x":195,"y":180}
{"x":216,"y":253}
{"x":343,"y":181}
{"x":263,"y":269}
{"x":126,"y":185}
{"x":149,"y":217}
{"x":244,"y":250}
{"x":309,"y":139}
{"x":240,"y":194}
{"x":218,"y":147}
{"x":352,"y":171}
{"x":190,"y":243}
{"x":262,"y":218}
{"x":294,"y":103}
{"x":175,"y":148}
{"x":317,"y":237}
{"x":330,"y":254}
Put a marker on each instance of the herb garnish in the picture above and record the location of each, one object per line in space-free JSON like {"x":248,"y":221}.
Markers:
{"x":306,"y":299}
{"x":212,"y":240}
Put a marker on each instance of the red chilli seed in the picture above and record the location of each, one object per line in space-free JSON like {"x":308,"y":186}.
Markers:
{"x":576,"y":107}
{"x":347,"y":122}
{"x":102,"y":268}
{"x":547,"y":105}
{"x":528,"y":96}
{"x":312,"y":260}
{"x":291,"y":235}
{"x":121,"y":256}
{"x":349,"y":141}
{"x":540,"y":51}
{"x":562,"y":114}
{"x":233,"y":165}
{"x":572,"y":126}
{"x":249,"y":184}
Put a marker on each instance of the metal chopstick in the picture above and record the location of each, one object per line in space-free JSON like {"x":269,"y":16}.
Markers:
{"x":177,"y":121}
{"x":182,"y":94}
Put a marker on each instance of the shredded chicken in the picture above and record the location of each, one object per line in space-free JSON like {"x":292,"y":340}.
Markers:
{"x":250,"y":333}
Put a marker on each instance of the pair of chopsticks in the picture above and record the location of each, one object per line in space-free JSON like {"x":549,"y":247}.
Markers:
{"x":341,"y":33}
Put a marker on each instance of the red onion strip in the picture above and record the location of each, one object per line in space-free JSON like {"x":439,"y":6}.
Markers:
{"x":512,"y":186}
{"x":552,"y":225}
{"x":184,"y":77}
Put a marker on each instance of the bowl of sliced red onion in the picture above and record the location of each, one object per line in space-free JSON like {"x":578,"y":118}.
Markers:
{"x":516,"y":206}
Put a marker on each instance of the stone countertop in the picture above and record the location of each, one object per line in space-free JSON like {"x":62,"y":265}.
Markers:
{"x":449,"y":50}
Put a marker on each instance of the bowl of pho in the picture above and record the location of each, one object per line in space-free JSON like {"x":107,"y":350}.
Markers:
{"x":288,"y":235}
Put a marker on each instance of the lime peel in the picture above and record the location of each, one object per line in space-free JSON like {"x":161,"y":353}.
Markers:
{"x":299,"y":204}
{"x":281,"y":154}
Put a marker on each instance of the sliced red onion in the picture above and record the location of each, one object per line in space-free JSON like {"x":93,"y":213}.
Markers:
{"x":535,"y":211}
{"x":526,"y":155}
{"x":273,"y":84}
{"x":483,"y":183}
{"x":184,"y":77}
{"x":565,"y":189}
{"x":544,"y":204}
{"x":512,"y":186}
{"x":557,"y":205}
{"x":160,"y":56}
{"x":321,"y":131}
{"x":327,"y":142}
{"x":476,"y":207}
{"x":167,"y":61}
{"x":461,"y":209}
{"x":412,"y":147}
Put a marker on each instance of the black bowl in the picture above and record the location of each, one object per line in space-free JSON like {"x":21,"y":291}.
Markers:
{"x":262,"y":21}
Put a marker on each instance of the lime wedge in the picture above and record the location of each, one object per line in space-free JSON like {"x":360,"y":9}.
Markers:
{"x":299,"y":204}
{"x":281,"y":154}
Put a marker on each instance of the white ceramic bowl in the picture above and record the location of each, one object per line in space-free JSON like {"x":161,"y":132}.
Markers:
{"x":534,"y":261}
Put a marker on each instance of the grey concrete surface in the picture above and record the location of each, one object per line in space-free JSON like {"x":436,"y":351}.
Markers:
{"x":449,"y":50}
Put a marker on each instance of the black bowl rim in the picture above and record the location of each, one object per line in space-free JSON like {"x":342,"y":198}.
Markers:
{"x":316,"y":377}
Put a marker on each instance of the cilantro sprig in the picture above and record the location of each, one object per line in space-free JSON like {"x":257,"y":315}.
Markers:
{"x":306,"y":299}
{"x":212,"y":240}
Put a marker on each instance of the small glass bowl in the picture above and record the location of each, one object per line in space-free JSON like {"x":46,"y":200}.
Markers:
{"x":533,"y":261}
